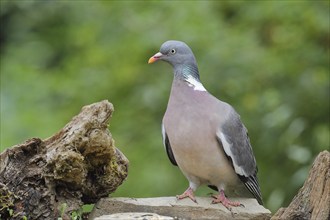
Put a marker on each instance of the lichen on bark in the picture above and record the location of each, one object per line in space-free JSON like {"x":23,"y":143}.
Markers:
{"x":78,"y":165}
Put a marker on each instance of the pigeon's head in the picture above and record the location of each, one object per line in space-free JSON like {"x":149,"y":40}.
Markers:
{"x":175,"y":53}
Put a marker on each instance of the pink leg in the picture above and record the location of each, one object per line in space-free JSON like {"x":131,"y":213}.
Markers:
{"x":221,"y":198}
{"x":188,"y":193}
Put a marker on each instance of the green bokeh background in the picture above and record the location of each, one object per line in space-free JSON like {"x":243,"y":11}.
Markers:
{"x":269,"y":59}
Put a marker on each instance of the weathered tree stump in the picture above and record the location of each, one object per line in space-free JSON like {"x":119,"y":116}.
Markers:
{"x":47,"y":179}
{"x":313,"y":199}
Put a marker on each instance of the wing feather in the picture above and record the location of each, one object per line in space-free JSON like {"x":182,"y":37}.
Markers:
{"x":235,"y":141}
{"x":167,"y":145}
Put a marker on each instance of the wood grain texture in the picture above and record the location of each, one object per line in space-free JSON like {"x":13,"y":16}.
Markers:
{"x":313,"y":199}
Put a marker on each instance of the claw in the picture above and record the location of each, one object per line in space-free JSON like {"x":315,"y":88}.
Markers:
{"x":188,"y":193}
{"x":221,"y":198}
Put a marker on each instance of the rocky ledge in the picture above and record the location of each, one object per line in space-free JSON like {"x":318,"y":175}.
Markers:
{"x":171,"y":208}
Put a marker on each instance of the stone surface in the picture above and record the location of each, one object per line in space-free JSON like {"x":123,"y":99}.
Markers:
{"x":181,"y":209}
{"x":313,"y":199}
{"x":134,"y":215}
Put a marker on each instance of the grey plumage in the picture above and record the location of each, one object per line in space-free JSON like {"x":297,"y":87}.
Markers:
{"x":202,"y":135}
{"x":240,"y":153}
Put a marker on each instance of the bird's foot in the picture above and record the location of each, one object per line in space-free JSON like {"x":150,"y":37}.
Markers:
{"x":221,"y":198}
{"x":188,"y":193}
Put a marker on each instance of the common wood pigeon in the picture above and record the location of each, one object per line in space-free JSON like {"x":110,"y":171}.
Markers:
{"x":204,"y":136}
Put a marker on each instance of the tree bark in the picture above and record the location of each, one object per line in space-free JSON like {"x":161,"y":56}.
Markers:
{"x":47,"y":179}
{"x":313,"y":199}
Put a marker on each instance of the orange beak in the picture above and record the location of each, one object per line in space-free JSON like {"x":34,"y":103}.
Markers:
{"x":155,"y":57}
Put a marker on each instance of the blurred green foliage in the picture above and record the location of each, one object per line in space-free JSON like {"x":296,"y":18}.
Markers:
{"x":269,"y":59}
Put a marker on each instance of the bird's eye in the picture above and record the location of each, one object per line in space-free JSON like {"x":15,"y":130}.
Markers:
{"x":173,"y":51}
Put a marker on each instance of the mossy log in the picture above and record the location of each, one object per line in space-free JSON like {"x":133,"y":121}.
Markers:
{"x":47,"y":179}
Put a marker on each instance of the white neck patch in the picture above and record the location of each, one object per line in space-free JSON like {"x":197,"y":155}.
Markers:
{"x":192,"y":82}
